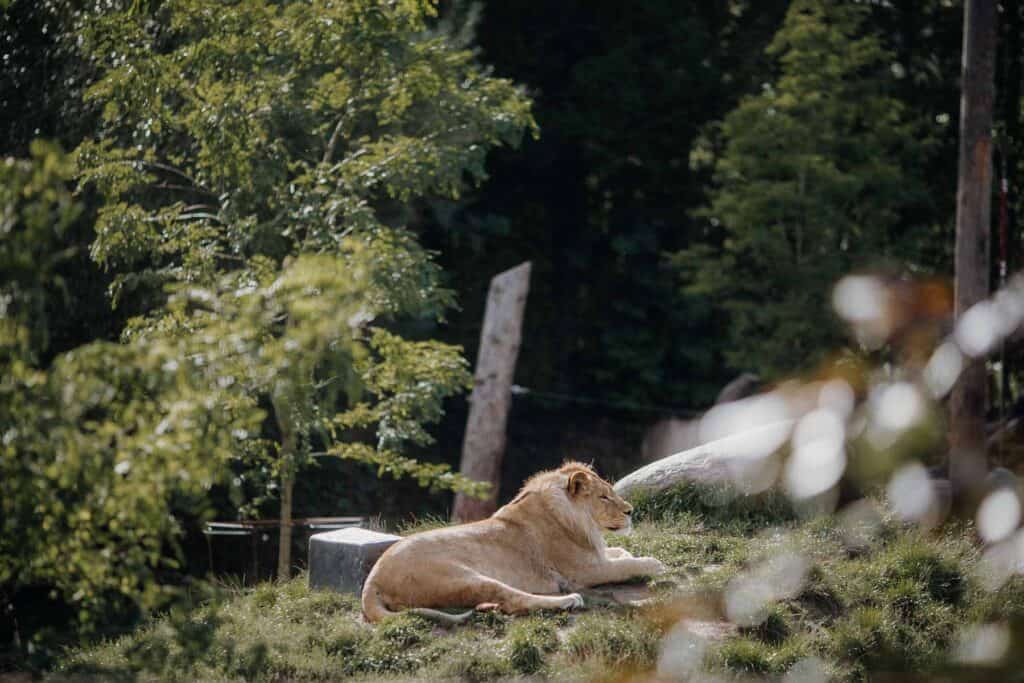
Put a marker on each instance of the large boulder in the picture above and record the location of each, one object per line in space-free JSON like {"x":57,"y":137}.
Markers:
{"x":744,"y":386}
{"x":747,"y":461}
{"x":668,"y":436}
{"x":341,"y":560}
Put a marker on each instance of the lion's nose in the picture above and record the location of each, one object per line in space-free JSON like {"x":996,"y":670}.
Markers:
{"x":629,"y":509}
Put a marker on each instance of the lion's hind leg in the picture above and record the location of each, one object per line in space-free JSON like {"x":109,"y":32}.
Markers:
{"x":491,"y":593}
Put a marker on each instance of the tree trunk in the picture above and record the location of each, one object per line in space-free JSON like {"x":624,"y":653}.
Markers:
{"x":484,"y":446}
{"x":1011,"y":95}
{"x":284,"y":549}
{"x":967,"y":402}
{"x":287,"y":459}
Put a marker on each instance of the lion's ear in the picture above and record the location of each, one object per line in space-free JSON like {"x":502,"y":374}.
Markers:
{"x":578,"y":481}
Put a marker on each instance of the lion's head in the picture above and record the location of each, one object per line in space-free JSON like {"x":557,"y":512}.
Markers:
{"x":581,"y":500}
{"x":598,"y":498}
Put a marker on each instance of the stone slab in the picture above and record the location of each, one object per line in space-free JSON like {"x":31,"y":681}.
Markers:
{"x":341,"y":560}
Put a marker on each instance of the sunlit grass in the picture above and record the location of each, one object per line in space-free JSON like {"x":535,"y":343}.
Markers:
{"x":898,"y":602}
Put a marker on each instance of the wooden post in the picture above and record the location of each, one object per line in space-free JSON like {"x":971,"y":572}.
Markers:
{"x":967,"y":402}
{"x":484,"y":445}
{"x":289,"y":448}
{"x":1010,"y":84}
{"x":284,"y":548}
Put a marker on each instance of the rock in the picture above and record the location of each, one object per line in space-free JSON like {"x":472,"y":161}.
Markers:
{"x":1000,"y":478}
{"x":669,"y":436}
{"x":340,"y":560}
{"x":746,"y":460}
{"x":742,"y":387}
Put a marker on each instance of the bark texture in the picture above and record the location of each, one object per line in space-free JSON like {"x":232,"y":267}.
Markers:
{"x":483,"y":448}
{"x":973,"y":215}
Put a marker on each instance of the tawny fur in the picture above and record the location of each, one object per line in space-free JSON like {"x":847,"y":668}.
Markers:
{"x":531,"y":554}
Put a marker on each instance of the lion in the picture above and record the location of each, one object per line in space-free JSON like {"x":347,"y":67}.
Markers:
{"x":531,"y":554}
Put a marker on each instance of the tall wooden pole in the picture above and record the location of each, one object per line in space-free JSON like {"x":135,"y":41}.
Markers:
{"x":967,"y":403}
{"x":484,"y":445}
{"x":1010,"y":91}
{"x":287,"y":455}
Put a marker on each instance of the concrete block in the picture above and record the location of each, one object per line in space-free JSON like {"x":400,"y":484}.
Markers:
{"x":340,"y":560}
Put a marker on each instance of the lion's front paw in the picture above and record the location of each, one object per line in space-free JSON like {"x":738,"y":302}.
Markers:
{"x":617,"y":553}
{"x":572,"y":601}
{"x":652,"y":566}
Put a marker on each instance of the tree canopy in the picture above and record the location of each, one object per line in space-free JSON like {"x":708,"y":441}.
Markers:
{"x":817,"y":177}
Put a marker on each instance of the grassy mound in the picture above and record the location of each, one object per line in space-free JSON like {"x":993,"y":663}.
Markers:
{"x":899,"y":600}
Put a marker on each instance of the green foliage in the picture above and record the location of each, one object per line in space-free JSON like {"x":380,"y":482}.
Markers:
{"x":101,"y":448}
{"x":257,"y":128}
{"x":815,"y":179}
{"x":255,"y":159}
{"x":36,"y":209}
{"x":255,"y":162}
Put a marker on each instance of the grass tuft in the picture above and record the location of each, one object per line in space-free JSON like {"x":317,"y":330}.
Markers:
{"x":615,"y":641}
{"x":404,"y":630}
{"x":529,"y":643}
{"x":719,"y":505}
{"x":745,"y":655}
{"x":915,"y":561}
{"x":773,"y":630}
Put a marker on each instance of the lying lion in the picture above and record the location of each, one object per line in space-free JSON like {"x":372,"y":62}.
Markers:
{"x":527,"y":556}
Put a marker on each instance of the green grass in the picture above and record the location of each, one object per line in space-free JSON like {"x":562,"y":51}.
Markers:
{"x":898,"y":604}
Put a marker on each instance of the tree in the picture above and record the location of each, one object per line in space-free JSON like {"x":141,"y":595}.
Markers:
{"x":256,"y":158}
{"x":967,"y":402}
{"x":813,"y":181}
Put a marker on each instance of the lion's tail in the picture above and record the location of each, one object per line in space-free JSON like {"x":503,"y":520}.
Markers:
{"x":374,"y":609}
{"x":442,"y":617}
